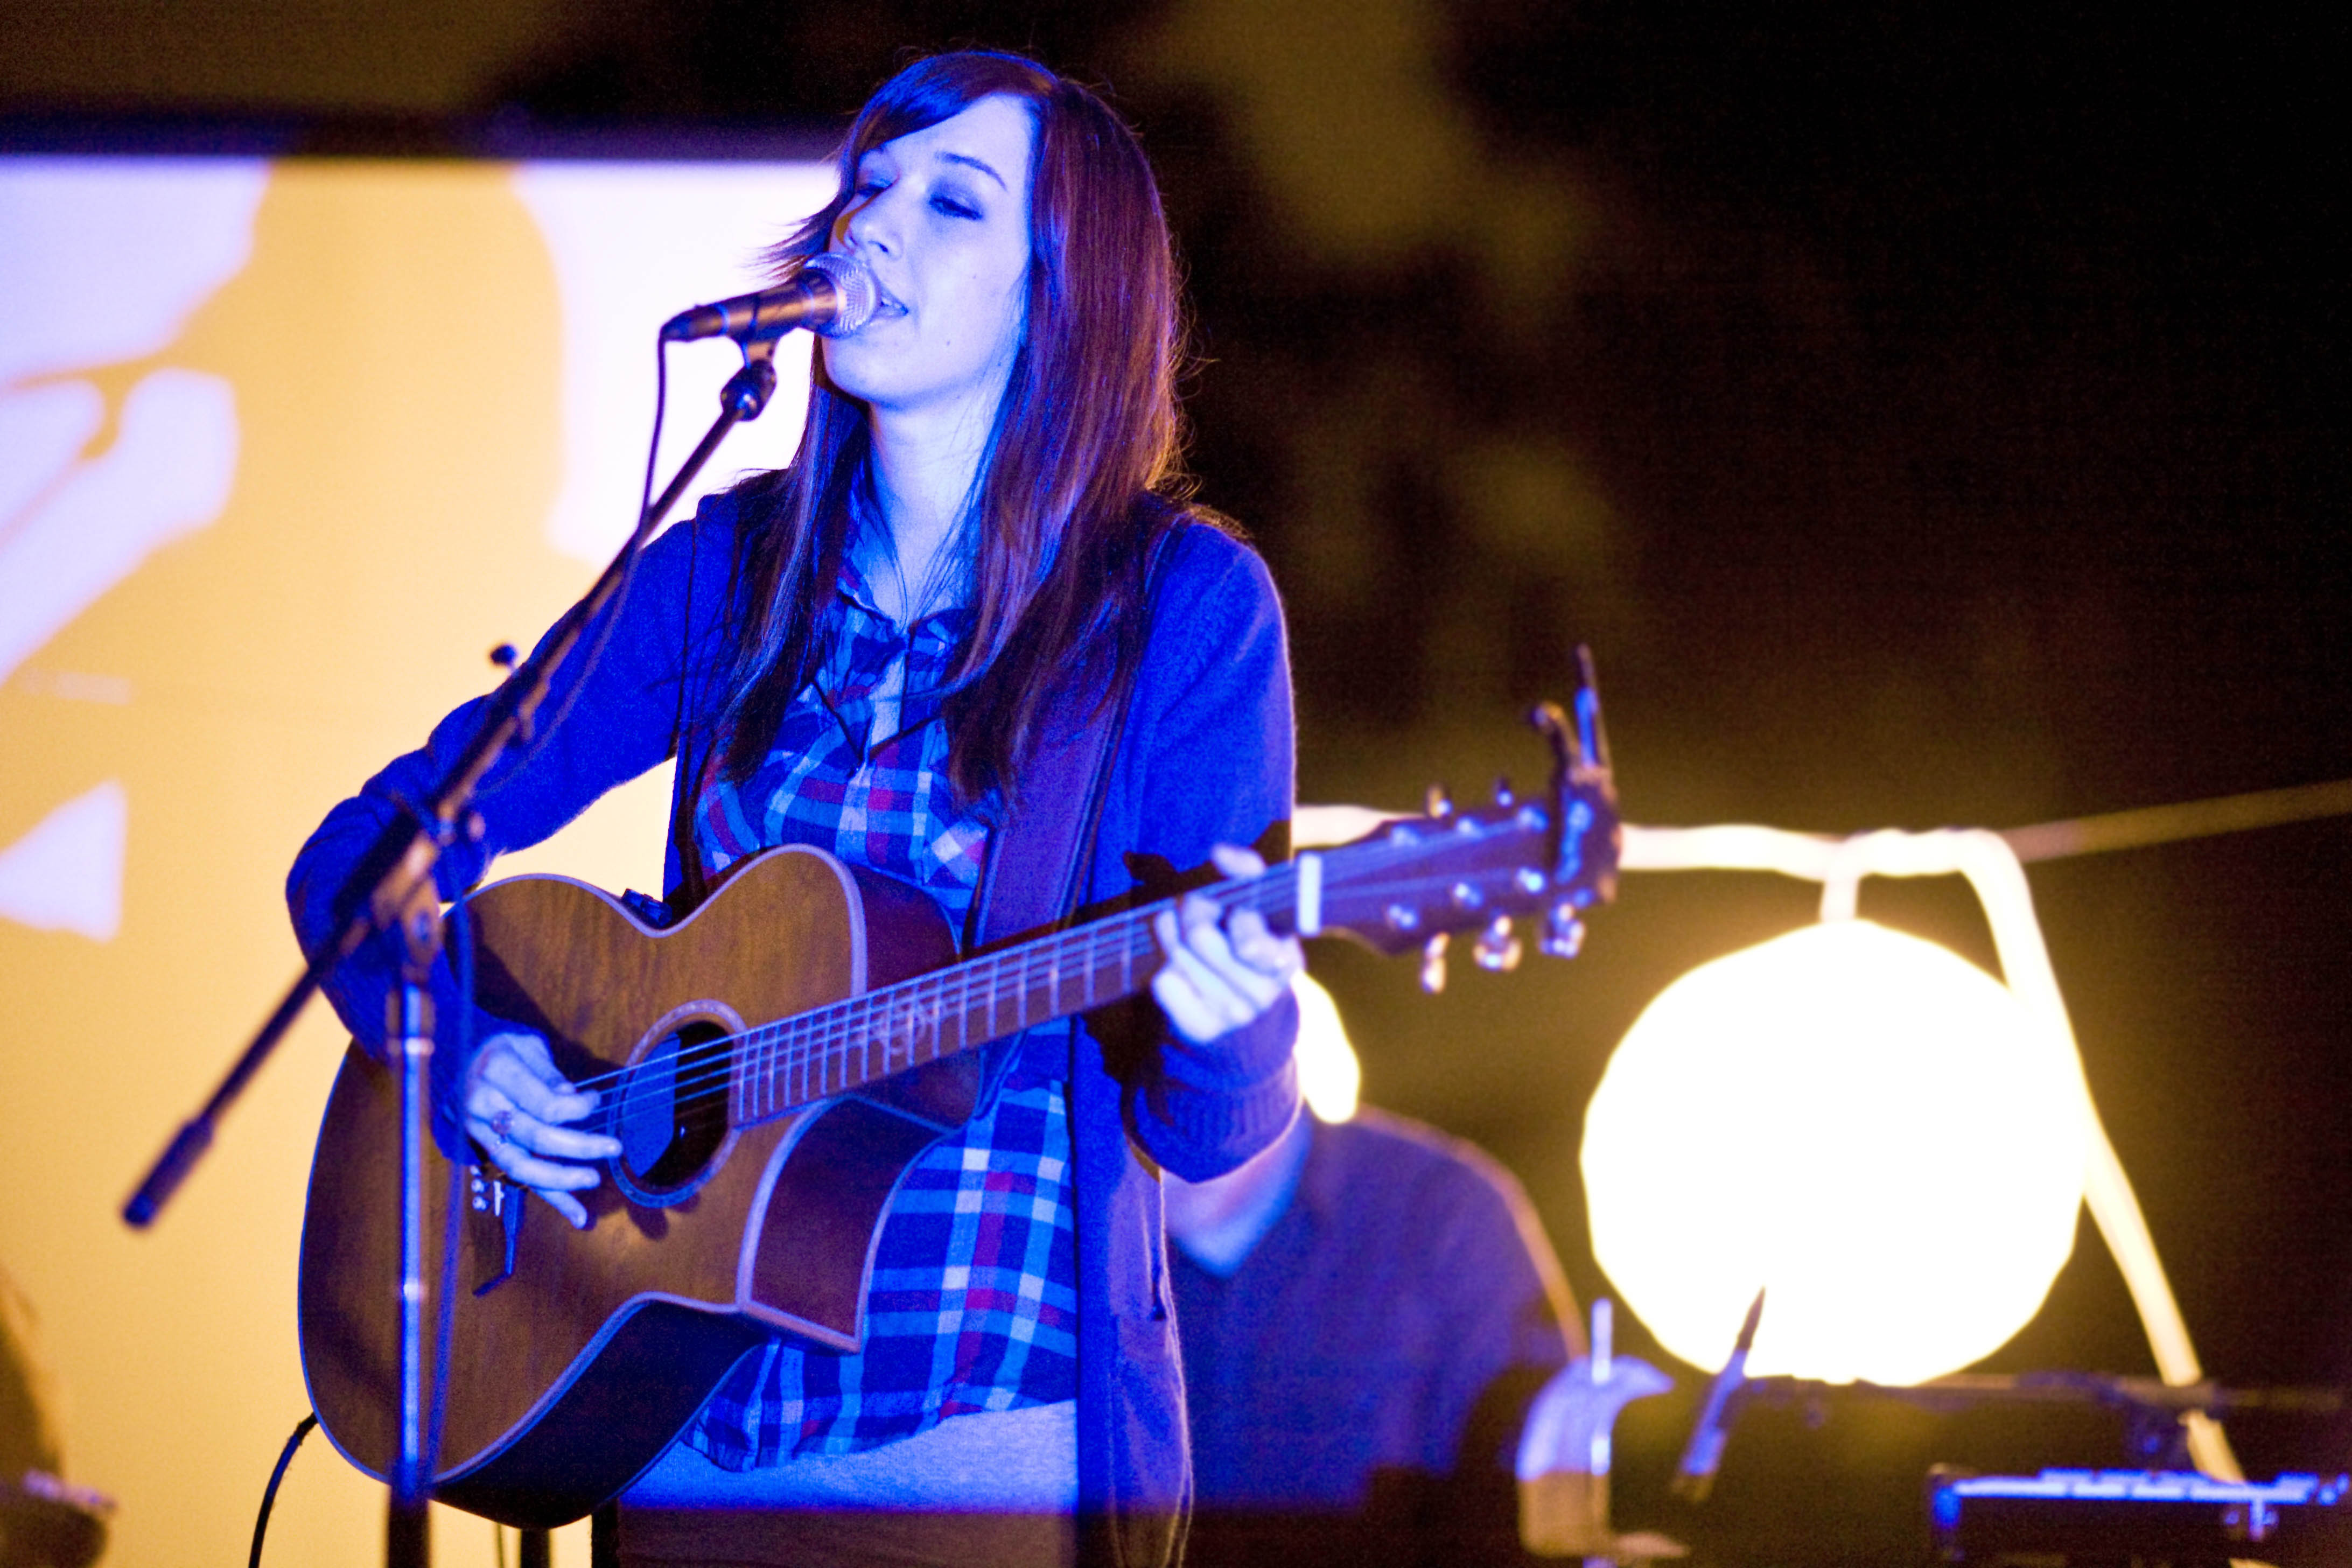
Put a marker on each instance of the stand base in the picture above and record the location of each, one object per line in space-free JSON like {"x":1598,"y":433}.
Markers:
{"x":407,"y":1538}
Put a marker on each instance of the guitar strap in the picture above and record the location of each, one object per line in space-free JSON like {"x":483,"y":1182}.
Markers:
{"x":1082,"y":864}
{"x":691,"y":743}
{"x":692,"y":887}
{"x":1041,"y":861}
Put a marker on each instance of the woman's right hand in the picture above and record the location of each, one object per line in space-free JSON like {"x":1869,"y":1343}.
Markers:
{"x":516,"y":1107}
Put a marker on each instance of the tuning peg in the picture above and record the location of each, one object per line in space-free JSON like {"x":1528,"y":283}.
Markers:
{"x":1498,"y":949}
{"x":1563,"y":934}
{"x":1436,"y":802}
{"x":1503,"y":794}
{"x":1432,"y":964}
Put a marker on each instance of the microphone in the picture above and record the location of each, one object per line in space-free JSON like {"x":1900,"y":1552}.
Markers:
{"x":1695,"y":1477}
{"x":831,"y":295}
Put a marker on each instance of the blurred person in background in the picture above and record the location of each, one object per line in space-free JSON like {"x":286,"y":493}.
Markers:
{"x":1366,"y":1310}
{"x":45,"y":1521}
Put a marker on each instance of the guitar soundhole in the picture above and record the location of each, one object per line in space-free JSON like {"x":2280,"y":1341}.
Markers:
{"x":672,"y":1116}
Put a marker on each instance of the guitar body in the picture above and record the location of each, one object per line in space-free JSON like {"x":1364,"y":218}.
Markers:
{"x":577,"y":1356}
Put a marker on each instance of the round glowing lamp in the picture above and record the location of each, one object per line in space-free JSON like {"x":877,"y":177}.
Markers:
{"x":1861,"y":1123}
{"x":1329,"y":1075}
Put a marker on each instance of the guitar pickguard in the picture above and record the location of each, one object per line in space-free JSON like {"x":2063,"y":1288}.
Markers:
{"x":821,"y":1198}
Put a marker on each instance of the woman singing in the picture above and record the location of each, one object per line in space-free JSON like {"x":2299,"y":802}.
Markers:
{"x":966,"y":641}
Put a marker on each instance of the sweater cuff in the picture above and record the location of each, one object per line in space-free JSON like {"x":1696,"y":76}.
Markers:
{"x":1216,"y":1105}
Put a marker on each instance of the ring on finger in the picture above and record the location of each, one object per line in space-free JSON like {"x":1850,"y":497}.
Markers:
{"x":502,"y":1125}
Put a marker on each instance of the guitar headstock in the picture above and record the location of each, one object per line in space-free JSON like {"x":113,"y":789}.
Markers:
{"x":1585,"y":790}
{"x":1414,"y":883}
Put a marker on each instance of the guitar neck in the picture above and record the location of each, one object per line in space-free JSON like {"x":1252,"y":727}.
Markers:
{"x":836,"y":1049}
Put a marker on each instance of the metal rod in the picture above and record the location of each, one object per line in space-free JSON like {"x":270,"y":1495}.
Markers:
{"x":2189,"y":819}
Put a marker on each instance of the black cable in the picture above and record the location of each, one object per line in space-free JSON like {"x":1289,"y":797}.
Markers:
{"x":270,"y":1493}
{"x":661,"y":402}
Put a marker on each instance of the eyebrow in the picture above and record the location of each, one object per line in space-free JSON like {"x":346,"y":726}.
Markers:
{"x":975,"y":164}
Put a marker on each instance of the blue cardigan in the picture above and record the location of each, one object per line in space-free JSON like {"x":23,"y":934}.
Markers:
{"x":1204,"y":756}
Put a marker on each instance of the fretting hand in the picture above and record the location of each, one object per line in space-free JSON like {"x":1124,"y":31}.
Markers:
{"x":1220,"y":972}
{"x":516,"y":1107}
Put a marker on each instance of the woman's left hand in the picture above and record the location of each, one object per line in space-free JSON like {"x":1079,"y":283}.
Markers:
{"x":1220,"y":975}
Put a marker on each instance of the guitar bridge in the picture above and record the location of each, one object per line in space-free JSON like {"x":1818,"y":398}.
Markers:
{"x":494,"y":1224}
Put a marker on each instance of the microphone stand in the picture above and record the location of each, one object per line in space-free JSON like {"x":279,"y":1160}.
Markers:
{"x":391,"y":892}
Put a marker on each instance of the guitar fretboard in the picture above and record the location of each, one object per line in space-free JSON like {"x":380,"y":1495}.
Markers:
{"x":831,"y":1050}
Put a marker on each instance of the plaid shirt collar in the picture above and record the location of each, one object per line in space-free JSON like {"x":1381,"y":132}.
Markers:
{"x":866,"y":649}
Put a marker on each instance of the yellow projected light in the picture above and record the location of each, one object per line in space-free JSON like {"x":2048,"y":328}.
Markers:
{"x":1875,"y":1131}
{"x":1330,"y":1077}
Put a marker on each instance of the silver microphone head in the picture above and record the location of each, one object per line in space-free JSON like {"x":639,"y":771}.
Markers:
{"x":853,"y":286}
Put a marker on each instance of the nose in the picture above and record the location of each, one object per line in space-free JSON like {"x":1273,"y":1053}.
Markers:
{"x":869,"y":224}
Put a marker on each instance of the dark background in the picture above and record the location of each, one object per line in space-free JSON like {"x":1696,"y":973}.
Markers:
{"x":1927,"y":419}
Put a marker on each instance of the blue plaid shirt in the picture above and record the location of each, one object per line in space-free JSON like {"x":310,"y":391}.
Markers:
{"x":974,"y":1304}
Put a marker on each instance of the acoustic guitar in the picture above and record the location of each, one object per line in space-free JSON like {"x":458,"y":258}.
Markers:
{"x":770,"y":1065}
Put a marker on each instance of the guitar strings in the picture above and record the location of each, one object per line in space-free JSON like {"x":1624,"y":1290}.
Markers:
{"x":940,"y":1005}
{"x":818,"y":1041}
{"x":807,"y":1061}
{"x":817,"y":1047}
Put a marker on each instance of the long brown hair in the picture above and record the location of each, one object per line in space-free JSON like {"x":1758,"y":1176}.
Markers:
{"x":1061,"y":509}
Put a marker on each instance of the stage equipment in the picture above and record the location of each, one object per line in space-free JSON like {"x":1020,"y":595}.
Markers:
{"x":1877,"y":1129}
{"x":1992,"y":864}
{"x":1695,"y":1473}
{"x":1994,"y":871}
{"x":2154,"y":1414}
{"x":45,"y":1522}
{"x":2117,"y":1519}
{"x":757,"y":1156}
{"x":1329,"y":1075}
{"x":1564,"y":1456}
{"x":832,"y":296}
{"x":2158,"y":1416}
{"x":2073,"y":1519}
{"x":392,"y":895}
